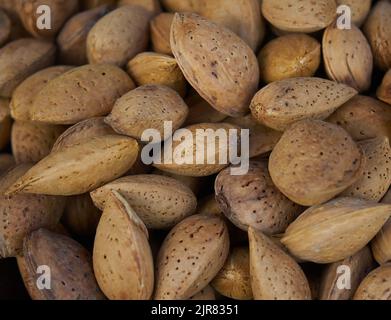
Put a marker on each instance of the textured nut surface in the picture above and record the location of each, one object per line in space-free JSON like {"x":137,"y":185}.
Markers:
{"x":376,"y":286}
{"x":160,"y":33}
{"x":384,"y":91}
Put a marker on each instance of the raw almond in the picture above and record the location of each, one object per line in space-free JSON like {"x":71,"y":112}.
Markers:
{"x":336,"y":230}
{"x":119,"y":36}
{"x":153,"y":68}
{"x":21,"y":58}
{"x":348,"y":57}
{"x":160,"y":33}
{"x":72,"y":40}
{"x":60,"y":11}
{"x":81,"y":93}
{"x":22,"y":214}
{"x":376,"y":286}
{"x":122,"y":257}
{"x":282,"y":103}
{"x":80,"y":168}
{"x":23,"y":96}
{"x":5,"y":123}
{"x":185,"y":156}
{"x":233,"y":280}
{"x":376,"y":175}
{"x":290,"y":56}
{"x":299,"y":16}
{"x":191,"y":255}
{"x":148,"y":107}
{"x":364,"y":118}
{"x":377,"y":28}
{"x":216,"y":62}
{"x":252,"y":200}
{"x":274,"y":274}
{"x":31,"y":141}
{"x":205,"y":294}
{"x":357,"y":266}
{"x":384,"y":91}
{"x":195,"y":184}
{"x":72,"y":277}
{"x":314,"y":161}
{"x":160,"y":202}
{"x":359,"y":9}
{"x":5,"y":27}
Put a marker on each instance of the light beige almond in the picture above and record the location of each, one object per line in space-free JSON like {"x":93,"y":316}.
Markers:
{"x":80,"y":168}
{"x":191,"y":256}
{"x":376,"y":175}
{"x":336,"y":230}
{"x":216,"y":62}
{"x":123,"y":262}
{"x":299,"y":16}
{"x":160,"y":202}
{"x":233,"y":280}
{"x":384,"y":91}
{"x":274,"y":274}
{"x":20,"y":59}
{"x":359,"y":9}
{"x":314,"y":161}
{"x":145,"y":108}
{"x":195,"y":184}
{"x":376,"y":286}
{"x":159,"y":69}
{"x":81,"y":93}
{"x":32,"y":141}
{"x":23,"y":97}
{"x":282,"y":103}
{"x":160,"y":33}
{"x":290,"y":56}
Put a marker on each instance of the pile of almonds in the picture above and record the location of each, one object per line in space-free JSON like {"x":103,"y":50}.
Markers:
{"x":312,"y":213}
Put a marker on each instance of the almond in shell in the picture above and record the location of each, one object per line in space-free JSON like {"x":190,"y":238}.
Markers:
{"x":152,"y":6}
{"x":384,"y":91}
{"x":160,"y":33}
{"x":376,"y":286}
{"x":191,"y":256}
{"x":274,"y":274}
{"x":123,"y":262}
{"x":282,"y":103}
{"x":336,"y":230}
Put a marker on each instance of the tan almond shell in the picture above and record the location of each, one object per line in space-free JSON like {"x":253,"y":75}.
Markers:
{"x":152,"y":6}
{"x":377,"y":28}
{"x":160,"y":33}
{"x":364,"y":118}
{"x":205,"y":294}
{"x":122,"y":257}
{"x":5,"y":27}
{"x":314,"y":161}
{"x":148,"y":107}
{"x":22,"y":214}
{"x":262,"y":138}
{"x":359,"y":8}
{"x":233,"y":280}
{"x":348,"y":57}
{"x":32,"y":141}
{"x":274,"y":274}
{"x":72,"y":40}
{"x":81,"y":93}
{"x":216,"y":62}
{"x":360,"y":264}
{"x":24,"y":94}
{"x":299,"y":16}
{"x":87,"y":129}
{"x":80,"y":168}
{"x":160,"y":202}
{"x":384,"y":91}
{"x":189,"y":155}
{"x":289,"y":56}
{"x":5,"y":123}
{"x":191,"y":256}
{"x":81,"y":216}
{"x":376,"y":175}
{"x":154,"y":68}
{"x":243,"y":17}
{"x":282,"y":103}
{"x":201,"y":111}
{"x":20,"y":59}
{"x":376,"y":286}
{"x":70,"y":264}
{"x":60,"y":12}
{"x":336,"y":230}
{"x":119,"y":36}
{"x":7,"y":161}
{"x":252,"y":200}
